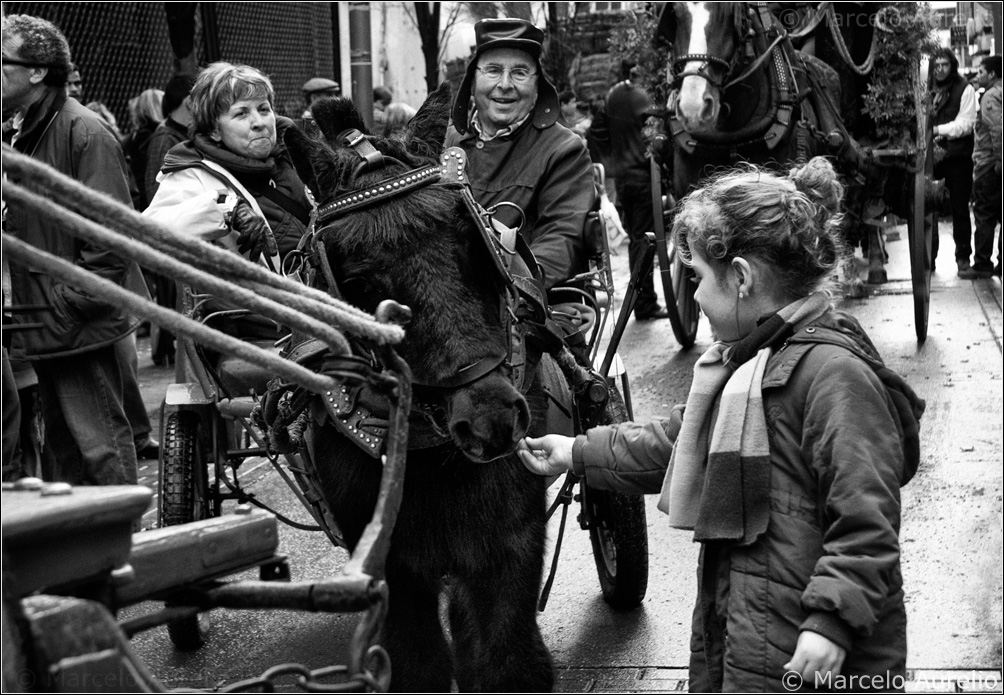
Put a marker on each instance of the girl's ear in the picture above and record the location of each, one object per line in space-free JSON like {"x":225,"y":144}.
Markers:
{"x":744,"y":277}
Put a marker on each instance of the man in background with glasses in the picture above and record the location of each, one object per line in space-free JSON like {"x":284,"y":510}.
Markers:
{"x":505,"y":118}
{"x":88,"y":439}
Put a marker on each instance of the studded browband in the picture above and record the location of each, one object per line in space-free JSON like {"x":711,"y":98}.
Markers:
{"x":450,"y":169}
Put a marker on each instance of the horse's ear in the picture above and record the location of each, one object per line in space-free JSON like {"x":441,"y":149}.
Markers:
{"x":313,"y":160}
{"x":427,"y":129}
{"x":335,"y":115}
{"x":665,"y":28}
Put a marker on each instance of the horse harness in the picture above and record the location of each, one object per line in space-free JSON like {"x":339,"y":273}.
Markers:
{"x":764,"y":41}
{"x":357,"y":410}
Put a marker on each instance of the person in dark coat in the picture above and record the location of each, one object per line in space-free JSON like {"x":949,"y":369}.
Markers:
{"x":953,"y":116}
{"x":624,"y":150}
{"x":505,"y":117}
{"x":787,"y":460}
{"x":88,"y":439}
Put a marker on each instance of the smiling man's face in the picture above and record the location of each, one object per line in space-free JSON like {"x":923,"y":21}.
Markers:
{"x":504,"y":101}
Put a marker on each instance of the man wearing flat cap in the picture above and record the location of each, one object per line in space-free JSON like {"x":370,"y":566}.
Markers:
{"x":505,"y":118}
{"x":318,"y":88}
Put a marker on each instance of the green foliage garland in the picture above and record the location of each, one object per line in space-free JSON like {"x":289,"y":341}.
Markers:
{"x":633,"y":40}
{"x":904,"y":32}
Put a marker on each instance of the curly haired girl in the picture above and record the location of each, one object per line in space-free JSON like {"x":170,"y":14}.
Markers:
{"x":789,"y":455}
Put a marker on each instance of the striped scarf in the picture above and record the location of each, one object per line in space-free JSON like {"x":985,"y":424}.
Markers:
{"x":718,"y":480}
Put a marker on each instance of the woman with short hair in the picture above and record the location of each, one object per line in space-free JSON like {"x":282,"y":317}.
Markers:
{"x":233,"y":182}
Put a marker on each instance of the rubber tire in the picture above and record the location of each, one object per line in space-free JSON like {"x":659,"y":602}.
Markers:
{"x":675,"y":276}
{"x":183,"y":500}
{"x":618,"y":532}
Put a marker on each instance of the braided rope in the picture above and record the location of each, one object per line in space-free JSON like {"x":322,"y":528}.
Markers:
{"x":28,"y":255}
{"x":866,"y":67}
{"x":164,"y":242}
{"x":144,"y":255}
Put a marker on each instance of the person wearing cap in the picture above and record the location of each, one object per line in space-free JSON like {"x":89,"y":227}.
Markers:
{"x":505,"y":117}
{"x":318,"y":88}
{"x":382,"y":98}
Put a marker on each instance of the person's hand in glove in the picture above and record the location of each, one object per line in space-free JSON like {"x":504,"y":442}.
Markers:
{"x":254,"y":236}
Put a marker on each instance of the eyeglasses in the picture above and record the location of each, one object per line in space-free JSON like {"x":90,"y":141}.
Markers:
{"x":23,"y":63}
{"x":517,"y":75}
{"x":939,"y":64}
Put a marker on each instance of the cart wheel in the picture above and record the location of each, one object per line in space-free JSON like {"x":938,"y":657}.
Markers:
{"x":921,"y":229}
{"x":677,"y":287}
{"x":618,"y":532}
{"x":183,"y":499}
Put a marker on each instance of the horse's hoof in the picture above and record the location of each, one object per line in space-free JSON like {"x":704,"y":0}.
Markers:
{"x":856,"y":289}
{"x":877,"y":276}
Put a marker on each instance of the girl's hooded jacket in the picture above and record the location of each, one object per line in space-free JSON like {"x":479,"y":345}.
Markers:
{"x":844,"y":437}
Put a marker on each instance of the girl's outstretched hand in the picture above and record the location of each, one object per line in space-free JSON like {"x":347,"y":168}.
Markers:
{"x":547,"y":455}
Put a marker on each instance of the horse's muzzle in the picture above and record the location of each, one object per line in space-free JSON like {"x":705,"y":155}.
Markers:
{"x":488,"y":419}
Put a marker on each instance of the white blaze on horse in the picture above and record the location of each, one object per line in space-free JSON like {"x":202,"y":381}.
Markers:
{"x":697,"y":101}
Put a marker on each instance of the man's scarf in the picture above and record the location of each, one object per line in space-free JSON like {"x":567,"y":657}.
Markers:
{"x":718,"y":482}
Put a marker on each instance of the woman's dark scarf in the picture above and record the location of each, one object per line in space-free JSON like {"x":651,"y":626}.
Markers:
{"x":273,"y":178}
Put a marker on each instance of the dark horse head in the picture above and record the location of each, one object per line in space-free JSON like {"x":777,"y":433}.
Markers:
{"x":422,"y":249}
{"x":705,"y":38}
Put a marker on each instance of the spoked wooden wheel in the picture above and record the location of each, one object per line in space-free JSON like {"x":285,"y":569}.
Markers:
{"x":921,"y":227}
{"x":677,"y":287}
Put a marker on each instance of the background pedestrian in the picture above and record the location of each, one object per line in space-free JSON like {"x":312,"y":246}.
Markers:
{"x":987,"y":171}
{"x":953,"y":115}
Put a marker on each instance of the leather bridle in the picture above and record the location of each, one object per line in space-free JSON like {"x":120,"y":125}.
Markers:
{"x":518,"y":292}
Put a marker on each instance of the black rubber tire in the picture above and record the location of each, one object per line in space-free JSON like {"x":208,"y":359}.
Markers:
{"x":618,"y":532}
{"x":183,"y":499}
{"x":687,"y":316}
{"x":675,"y":276}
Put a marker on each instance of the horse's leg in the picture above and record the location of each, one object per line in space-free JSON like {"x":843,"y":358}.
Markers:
{"x":854,"y":286}
{"x":876,"y":255}
{"x":493,"y":616}
{"x":419,"y":654}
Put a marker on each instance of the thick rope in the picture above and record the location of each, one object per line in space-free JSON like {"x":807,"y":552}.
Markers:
{"x":132,"y":303}
{"x":145,"y":256}
{"x":210,"y":258}
{"x":866,"y":67}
